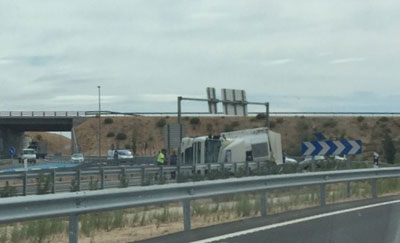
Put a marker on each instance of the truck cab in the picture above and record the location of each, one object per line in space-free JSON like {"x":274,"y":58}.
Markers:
{"x":29,"y":155}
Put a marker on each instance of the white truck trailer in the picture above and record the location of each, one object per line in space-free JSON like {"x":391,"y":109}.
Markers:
{"x":259,"y":144}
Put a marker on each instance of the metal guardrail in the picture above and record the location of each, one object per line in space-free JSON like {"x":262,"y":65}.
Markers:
{"x":136,"y":175}
{"x":103,"y":177}
{"x":74,"y":204}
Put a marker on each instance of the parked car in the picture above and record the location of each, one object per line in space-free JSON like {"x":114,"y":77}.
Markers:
{"x":119,"y":154}
{"x":28,"y":154}
{"x":77,"y":158}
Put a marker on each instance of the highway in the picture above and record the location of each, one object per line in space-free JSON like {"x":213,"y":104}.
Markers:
{"x":375,"y":221}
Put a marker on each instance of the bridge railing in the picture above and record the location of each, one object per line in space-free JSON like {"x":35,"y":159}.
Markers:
{"x":43,"y":114}
{"x":77,"y":203}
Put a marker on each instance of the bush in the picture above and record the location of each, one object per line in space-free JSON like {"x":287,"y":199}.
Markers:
{"x":195,"y":121}
{"x":389,"y":149}
{"x":228,"y":128}
{"x":279,"y":120}
{"x":110,"y":134}
{"x":209,"y":128}
{"x":260,"y":116}
{"x":360,"y":118}
{"x":235,"y":124}
{"x":383,"y":119}
{"x":161,"y":123}
{"x":44,"y":184}
{"x":108,"y":120}
{"x":331,"y":123}
{"x":121,"y":136}
{"x":8,"y":191}
{"x":272,"y":124}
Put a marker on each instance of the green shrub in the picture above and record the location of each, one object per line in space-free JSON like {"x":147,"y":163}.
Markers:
{"x":209,"y":128}
{"x":110,"y":134}
{"x":272,"y":124}
{"x":389,"y":149}
{"x":121,"y":136}
{"x":123,"y":181}
{"x":228,"y":128}
{"x":360,"y":118}
{"x":44,"y":184}
{"x":260,"y":116}
{"x":108,"y":120}
{"x":8,"y":191}
{"x":330,"y":123}
{"x":161,"y":123}
{"x":235,"y":124}
{"x":93,"y":184}
{"x":195,"y":121}
{"x":279,"y":120}
{"x":383,"y":119}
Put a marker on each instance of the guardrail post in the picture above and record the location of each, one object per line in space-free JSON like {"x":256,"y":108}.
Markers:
{"x":178,"y":172}
{"x":246,"y":168}
{"x":53,"y":180}
{"x":209,"y":167}
{"x":24,"y":183}
{"x":374,"y":189}
{"x":263,"y":204}
{"x":322,"y":197}
{"x":194,"y":172}
{"x":101,"y":178}
{"x":78,"y":179}
{"x":313,"y":165}
{"x":235,"y":168}
{"x":186,"y":215}
{"x":348,"y":189}
{"x":258,"y":168}
{"x":142,"y":175}
{"x":73,"y":228}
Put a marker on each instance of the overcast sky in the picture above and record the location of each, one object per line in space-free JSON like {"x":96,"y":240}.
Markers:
{"x":309,"y":55}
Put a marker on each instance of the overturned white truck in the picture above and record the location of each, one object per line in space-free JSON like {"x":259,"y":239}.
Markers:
{"x":252,"y":145}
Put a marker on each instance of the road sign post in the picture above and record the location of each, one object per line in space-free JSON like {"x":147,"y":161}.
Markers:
{"x":11,"y":151}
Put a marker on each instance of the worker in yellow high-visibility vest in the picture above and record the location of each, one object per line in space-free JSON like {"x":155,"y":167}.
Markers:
{"x":161,"y":157}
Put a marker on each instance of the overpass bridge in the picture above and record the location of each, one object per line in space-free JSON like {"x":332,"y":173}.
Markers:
{"x":13,"y":124}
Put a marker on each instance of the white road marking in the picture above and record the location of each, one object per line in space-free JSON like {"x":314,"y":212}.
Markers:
{"x":295,"y":221}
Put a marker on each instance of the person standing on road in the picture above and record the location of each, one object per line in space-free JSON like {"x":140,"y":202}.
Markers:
{"x":161,"y":157}
{"x":376,"y":160}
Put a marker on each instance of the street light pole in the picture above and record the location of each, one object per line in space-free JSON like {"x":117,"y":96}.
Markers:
{"x":98,"y":87}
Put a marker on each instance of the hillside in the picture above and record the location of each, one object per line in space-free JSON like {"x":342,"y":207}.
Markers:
{"x":55,"y":143}
{"x":145,"y":133}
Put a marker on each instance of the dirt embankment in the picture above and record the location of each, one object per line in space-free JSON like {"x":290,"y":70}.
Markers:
{"x":56,"y":143}
{"x":144,"y":135}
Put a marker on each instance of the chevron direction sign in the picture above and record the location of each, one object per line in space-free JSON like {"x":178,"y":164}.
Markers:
{"x":340,"y":147}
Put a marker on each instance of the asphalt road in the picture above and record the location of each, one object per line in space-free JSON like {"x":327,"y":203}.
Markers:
{"x":372,"y":222}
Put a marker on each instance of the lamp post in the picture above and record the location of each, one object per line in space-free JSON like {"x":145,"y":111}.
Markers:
{"x":98,"y":87}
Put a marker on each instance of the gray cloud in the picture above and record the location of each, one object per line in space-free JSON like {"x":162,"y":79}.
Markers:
{"x":145,"y":53}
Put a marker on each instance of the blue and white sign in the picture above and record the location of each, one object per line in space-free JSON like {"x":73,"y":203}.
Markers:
{"x":340,"y":147}
{"x":11,"y":150}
